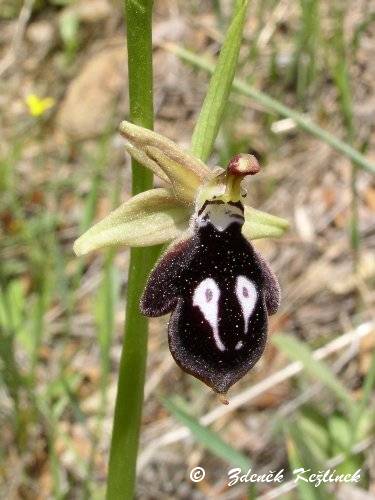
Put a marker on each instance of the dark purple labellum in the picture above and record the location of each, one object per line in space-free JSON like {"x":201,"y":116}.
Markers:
{"x":220,"y":293}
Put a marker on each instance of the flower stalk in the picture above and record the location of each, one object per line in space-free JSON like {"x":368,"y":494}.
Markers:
{"x":128,"y":409}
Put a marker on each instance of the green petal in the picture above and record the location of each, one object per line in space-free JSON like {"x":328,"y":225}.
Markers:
{"x":149,"y":218}
{"x":167,"y":160}
{"x":142,"y":137}
{"x":185,"y":183}
{"x":146,"y":161}
{"x":259,"y":224}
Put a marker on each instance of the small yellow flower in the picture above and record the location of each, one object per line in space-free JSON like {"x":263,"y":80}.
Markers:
{"x":38,"y":106}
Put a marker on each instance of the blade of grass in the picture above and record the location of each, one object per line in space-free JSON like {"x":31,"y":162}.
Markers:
{"x":304,"y":65}
{"x":295,"y":350}
{"x":105,"y":308}
{"x":216,"y":6}
{"x":212,"y":111}
{"x":304,"y":489}
{"x":275,"y":106}
{"x":208,"y":438}
{"x":368,"y":387}
{"x":313,"y":425}
{"x":37,"y":318}
{"x":46,"y":414}
{"x":10,"y":371}
{"x":98,"y":163}
{"x":128,"y":407}
{"x":304,"y":446}
{"x":212,"y":442}
{"x":368,"y":19}
{"x":341,"y":77}
{"x":333,"y":462}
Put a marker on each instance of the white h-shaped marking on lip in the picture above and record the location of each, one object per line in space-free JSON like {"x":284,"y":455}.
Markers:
{"x":247,"y":297}
{"x":206,"y":297}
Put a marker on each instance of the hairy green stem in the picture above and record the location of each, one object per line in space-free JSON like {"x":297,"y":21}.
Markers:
{"x":128,"y":410}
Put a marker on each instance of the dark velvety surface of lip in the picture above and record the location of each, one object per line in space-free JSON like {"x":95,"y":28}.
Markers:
{"x":218,"y":326}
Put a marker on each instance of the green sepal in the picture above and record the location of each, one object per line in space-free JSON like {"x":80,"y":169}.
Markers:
{"x":149,"y":218}
{"x":260,"y":224}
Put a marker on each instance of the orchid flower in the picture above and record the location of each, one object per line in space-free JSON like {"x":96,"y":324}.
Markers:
{"x":219,"y":290}
{"x":161,"y":215}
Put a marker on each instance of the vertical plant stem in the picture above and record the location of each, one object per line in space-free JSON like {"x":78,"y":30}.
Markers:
{"x":128,"y":410}
{"x":341,"y":78}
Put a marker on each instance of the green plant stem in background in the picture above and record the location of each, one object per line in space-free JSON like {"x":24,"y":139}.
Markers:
{"x":341,"y":77}
{"x":128,"y":410}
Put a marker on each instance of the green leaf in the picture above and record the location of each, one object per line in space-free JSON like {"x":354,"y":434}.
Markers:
{"x":314,"y":427}
{"x":208,"y":438}
{"x":296,"y":350}
{"x":275,"y":106}
{"x":212,"y":111}
{"x":149,"y":218}
{"x":339,"y":428}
